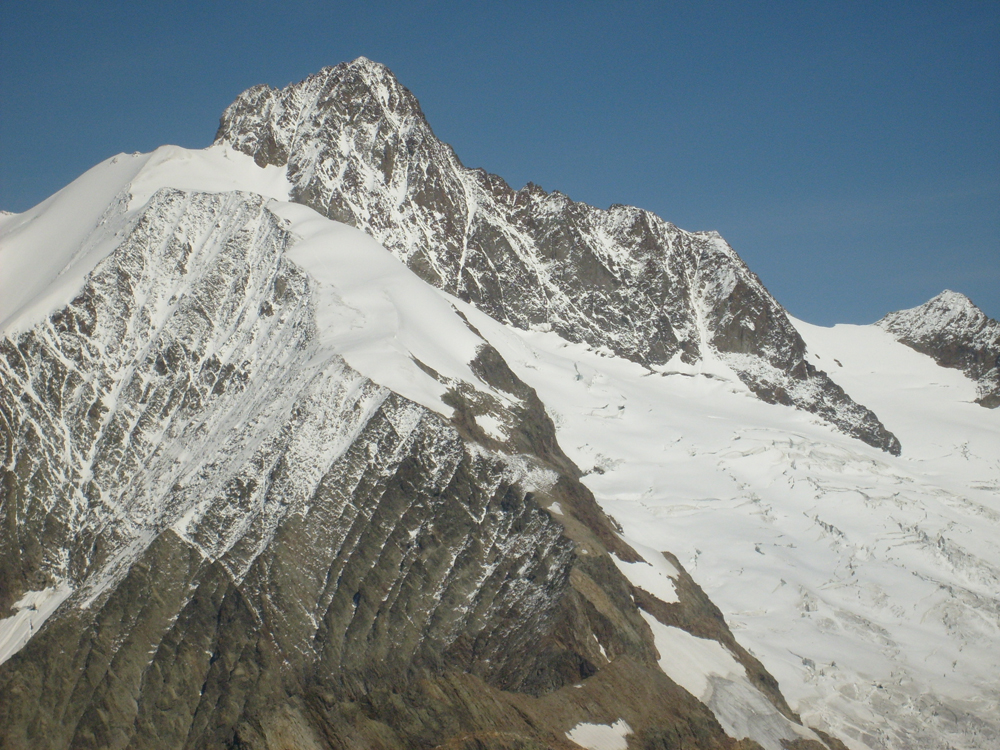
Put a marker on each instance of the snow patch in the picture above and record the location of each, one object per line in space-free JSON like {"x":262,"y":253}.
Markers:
{"x":31,"y":611}
{"x":656,"y":578}
{"x":601,"y":736}
{"x":492,"y":426}
{"x":707,"y":670}
{"x":690,"y":661}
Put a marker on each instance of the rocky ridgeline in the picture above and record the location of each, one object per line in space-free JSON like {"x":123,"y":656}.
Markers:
{"x":359,"y":150}
{"x":956,"y":333}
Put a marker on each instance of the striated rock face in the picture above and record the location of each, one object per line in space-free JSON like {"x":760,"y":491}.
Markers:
{"x":247,"y":543}
{"x":957,"y":334}
{"x":358,"y":149}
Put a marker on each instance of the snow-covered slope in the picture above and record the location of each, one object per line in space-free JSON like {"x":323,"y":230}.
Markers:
{"x":868,"y":584}
{"x":48,"y":250}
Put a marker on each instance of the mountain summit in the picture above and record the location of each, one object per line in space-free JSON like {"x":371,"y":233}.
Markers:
{"x":358,"y":150}
{"x":956,"y":333}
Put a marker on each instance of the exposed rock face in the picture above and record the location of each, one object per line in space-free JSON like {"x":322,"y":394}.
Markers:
{"x":957,"y":334}
{"x":259,"y":547}
{"x":359,"y":150}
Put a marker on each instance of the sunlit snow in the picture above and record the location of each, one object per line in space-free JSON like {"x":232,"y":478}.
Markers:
{"x":867,"y":584}
{"x":30,"y":613}
{"x":601,"y":736}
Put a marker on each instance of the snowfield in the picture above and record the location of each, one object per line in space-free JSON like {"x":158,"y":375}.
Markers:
{"x":867,"y":584}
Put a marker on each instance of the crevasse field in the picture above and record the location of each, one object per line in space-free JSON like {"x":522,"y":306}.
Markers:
{"x":867,"y":584}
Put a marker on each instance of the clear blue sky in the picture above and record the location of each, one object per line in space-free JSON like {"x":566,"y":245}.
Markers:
{"x":850,"y":152}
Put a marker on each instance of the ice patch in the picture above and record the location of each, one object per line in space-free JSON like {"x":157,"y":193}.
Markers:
{"x":601,"y":736}
{"x":859,"y":579}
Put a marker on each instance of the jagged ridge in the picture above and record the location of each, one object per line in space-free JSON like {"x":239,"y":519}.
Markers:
{"x":359,"y":150}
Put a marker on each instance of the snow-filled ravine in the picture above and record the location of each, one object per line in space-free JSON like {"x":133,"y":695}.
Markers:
{"x":869,"y":585}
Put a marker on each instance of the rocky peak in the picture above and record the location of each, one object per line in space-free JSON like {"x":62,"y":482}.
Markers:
{"x":359,"y":150}
{"x":271,"y":124}
{"x":956,"y":333}
{"x":948,"y":310}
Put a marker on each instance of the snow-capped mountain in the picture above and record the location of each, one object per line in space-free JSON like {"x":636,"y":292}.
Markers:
{"x":956,"y":333}
{"x":318,"y":439}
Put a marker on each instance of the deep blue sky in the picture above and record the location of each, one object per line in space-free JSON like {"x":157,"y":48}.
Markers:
{"x":850,"y":152}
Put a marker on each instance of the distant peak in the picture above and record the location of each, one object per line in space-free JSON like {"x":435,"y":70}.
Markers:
{"x":950,"y":314}
{"x":955,"y":333}
{"x":941,"y":309}
{"x":951,"y":299}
